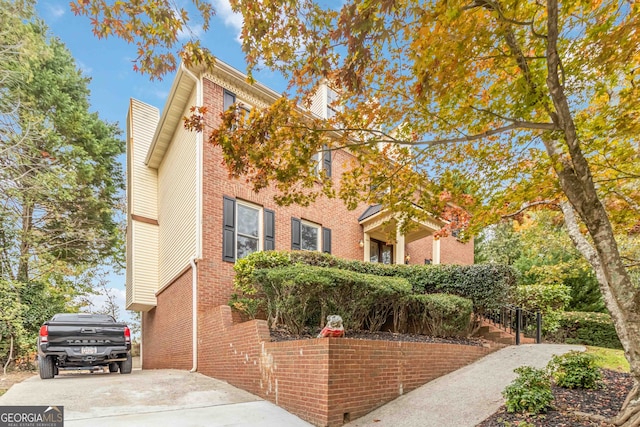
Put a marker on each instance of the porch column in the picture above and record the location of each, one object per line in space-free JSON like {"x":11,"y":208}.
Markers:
{"x":367,"y":247}
{"x":399,"y":248}
{"x":436,"y":251}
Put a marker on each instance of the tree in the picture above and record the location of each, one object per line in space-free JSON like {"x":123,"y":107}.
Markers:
{"x":59,"y":170}
{"x":539,"y":247}
{"x":498,"y":105}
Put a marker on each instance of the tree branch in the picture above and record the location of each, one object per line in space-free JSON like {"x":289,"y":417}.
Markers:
{"x":515,"y":125}
{"x":522,"y":123}
{"x":529,"y":206}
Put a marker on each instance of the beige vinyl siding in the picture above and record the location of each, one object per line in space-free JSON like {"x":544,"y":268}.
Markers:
{"x":145,"y":180}
{"x":145,"y":265}
{"x":319,"y":102}
{"x":177,"y":202}
{"x":142,"y":200}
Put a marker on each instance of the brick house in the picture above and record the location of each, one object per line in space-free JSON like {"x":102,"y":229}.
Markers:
{"x":188,"y":221}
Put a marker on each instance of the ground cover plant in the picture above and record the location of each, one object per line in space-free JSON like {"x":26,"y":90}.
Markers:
{"x":608,"y":384}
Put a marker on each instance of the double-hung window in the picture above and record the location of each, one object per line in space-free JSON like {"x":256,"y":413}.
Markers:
{"x":246,"y":228}
{"x":309,"y":236}
{"x":248,"y":225}
{"x":321,"y":161}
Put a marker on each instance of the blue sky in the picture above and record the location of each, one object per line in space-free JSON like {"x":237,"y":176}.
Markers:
{"x":113,"y":81}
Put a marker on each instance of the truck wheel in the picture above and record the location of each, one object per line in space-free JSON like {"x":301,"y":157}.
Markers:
{"x":113,"y":367}
{"x":125,"y":367}
{"x":46,"y":366}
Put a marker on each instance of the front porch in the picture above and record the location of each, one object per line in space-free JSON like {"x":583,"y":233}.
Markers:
{"x":384,"y":243}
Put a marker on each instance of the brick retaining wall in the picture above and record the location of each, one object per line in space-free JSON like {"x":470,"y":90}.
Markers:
{"x":325,"y":381}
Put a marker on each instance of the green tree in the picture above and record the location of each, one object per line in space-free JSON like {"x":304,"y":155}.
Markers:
{"x":61,"y":179}
{"x":536,"y":101}
{"x":539,"y":247}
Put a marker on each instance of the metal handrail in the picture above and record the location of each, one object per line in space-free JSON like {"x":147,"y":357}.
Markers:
{"x":515,"y":320}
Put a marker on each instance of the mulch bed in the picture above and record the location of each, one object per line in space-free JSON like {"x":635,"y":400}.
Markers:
{"x":605,"y":401}
{"x":284,"y":335}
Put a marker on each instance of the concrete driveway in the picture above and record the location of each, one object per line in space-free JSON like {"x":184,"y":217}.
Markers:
{"x":149,"y":398}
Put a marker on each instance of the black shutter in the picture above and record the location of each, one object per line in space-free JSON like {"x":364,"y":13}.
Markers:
{"x":228,"y":229}
{"x":269,"y":230}
{"x":326,"y":161}
{"x":295,"y":234}
{"x":326,"y":240}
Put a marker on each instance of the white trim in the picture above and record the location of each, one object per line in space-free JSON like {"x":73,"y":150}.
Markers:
{"x":198,"y":254}
{"x":316,"y":226}
{"x":260,"y":210}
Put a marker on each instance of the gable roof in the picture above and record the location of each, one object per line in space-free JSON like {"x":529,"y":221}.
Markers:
{"x":181,"y":89}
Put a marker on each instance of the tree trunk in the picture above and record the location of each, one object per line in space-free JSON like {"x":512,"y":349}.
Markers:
{"x":621,"y":297}
{"x":25,"y":244}
{"x":10,"y":358}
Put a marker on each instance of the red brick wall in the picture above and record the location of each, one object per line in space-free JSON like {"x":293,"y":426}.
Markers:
{"x":216,"y":276}
{"x":451,"y":251}
{"x":454,"y":252}
{"x":167,"y":330}
{"x":321,"y":380}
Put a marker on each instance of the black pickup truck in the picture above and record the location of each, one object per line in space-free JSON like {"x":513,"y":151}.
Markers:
{"x":79,"y":340}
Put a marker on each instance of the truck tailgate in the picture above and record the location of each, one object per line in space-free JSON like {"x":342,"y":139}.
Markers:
{"x":74,"y":334}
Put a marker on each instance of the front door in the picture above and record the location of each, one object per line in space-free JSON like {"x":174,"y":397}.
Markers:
{"x":380,"y":252}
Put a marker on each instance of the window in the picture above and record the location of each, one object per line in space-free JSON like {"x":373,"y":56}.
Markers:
{"x":228,"y":100}
{"x":332,"y":107}
{"x":246,"y":228}
{"x":308,"y":236}
{"x":380,"y":252}
{"x":322,"y":161}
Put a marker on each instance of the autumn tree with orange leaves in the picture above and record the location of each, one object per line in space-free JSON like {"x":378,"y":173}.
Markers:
{"x":490,"y":107}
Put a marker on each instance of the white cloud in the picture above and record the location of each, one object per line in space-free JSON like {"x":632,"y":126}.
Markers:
{"x":84,"y":67}
{"x":194,"y":31}
{"x":55,"y":10}
{"x":230,"y":18}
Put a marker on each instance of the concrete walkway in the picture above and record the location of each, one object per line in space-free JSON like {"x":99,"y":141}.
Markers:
{"x":465,"y":397}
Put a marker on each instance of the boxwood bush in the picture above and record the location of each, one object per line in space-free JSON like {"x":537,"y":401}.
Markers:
{"x":299,"y":296}
{"x":438,"y":315}
{"x":486,"y":285}
{"x":585,"y":328}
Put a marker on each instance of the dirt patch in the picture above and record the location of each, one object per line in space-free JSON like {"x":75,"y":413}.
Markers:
{"x":284,"y":335}
{"x":6,"y":381}
{"x":605,"y":401}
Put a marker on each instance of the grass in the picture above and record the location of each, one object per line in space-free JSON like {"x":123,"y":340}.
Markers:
{"x":609,"y":358}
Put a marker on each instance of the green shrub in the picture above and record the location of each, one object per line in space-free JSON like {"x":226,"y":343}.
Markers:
{"x":530,"y":392}
{"x":487,"y":285}
{"x":575,"y":370}
{"x":549,"y":299}
{"x":300,"y":296}
{"x":595,"y":329}
{"x":439,"y":315}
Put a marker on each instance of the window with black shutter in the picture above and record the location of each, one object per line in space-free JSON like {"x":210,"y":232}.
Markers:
{"x":246,"y":228}
{"x":308,"y":236}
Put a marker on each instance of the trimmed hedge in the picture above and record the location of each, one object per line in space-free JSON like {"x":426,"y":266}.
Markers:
{"x":300,"y":296}
{"x":585,"y":328}
{"x":438,"y":315}
{"x":487,"y":285}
